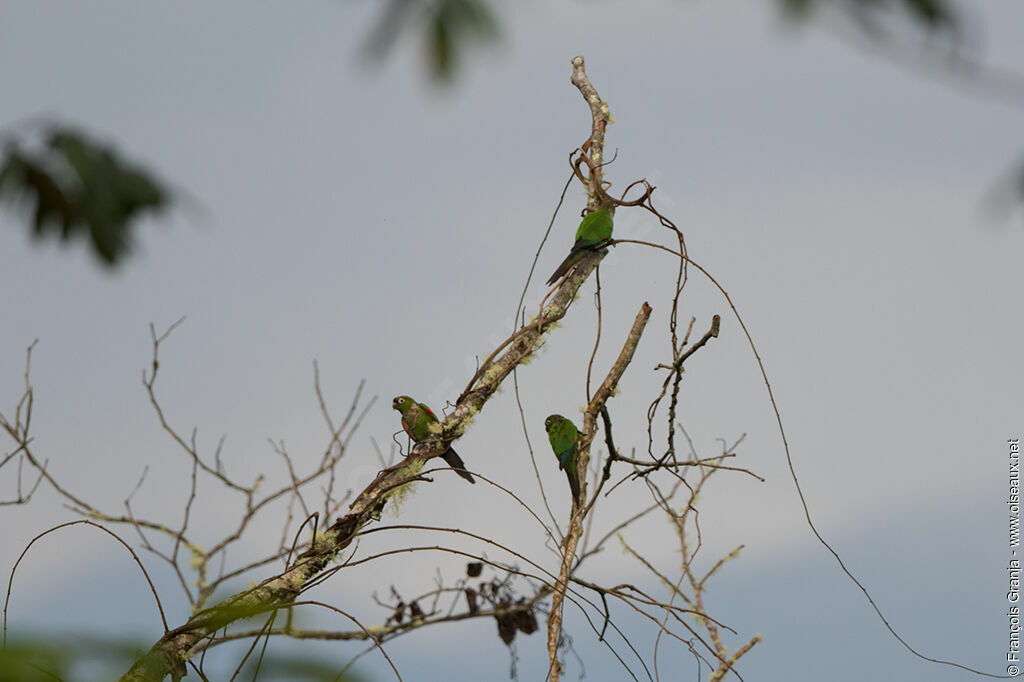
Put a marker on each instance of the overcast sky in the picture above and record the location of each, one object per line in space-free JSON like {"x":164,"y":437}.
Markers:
{"x":353,"y":213}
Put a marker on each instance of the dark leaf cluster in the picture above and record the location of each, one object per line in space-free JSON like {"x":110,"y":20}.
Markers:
{"x":446,"y":25}
{"x":75,"y":186}
{"x":514,"y":613}
{"x":932,"y":16}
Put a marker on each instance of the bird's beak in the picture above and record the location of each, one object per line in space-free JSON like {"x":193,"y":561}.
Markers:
{"x":394,"y":404}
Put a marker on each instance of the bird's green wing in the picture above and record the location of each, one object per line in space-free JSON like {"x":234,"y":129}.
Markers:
{"x":595,"y":227}
{"x":565,"y":443}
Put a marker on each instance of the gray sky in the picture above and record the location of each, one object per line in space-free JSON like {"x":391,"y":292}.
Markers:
{"x":356,"y":215}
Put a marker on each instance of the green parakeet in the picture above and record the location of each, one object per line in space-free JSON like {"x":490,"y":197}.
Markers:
{"x":595,"y":230}
{"x":416,"y":421}
{"x":565,"y":442}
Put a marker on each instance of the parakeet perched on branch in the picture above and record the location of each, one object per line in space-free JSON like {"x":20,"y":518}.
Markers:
{"x":565,"y":442}
{"x":595,"y":230}
{"x":416,"y":421}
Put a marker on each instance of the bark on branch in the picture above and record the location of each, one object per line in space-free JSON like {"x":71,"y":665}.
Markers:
{"x":575,"y":530}
{"x":600,"y":116}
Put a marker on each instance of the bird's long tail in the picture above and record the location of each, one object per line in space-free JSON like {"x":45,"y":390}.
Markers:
{"x":569,"y":261}
{"x":455,"y":462}
{"x":574,"y":483}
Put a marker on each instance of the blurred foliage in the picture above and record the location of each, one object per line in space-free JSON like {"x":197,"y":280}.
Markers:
{"x":28,"y":659}
{"x":73,"y":185}
{"x":38,"y":659}
{"x":933,"y":16}
{"x":32,"y":663}
{"x":447,"y":26}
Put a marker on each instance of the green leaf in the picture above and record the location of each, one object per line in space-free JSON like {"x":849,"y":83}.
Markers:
{"x":930,"y":16}
{"x":441,"y":48}
{"x":74,"y":186}
{"x":448,"y":27}
{"x":934,"y":15}
{"x":32,"y":663}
